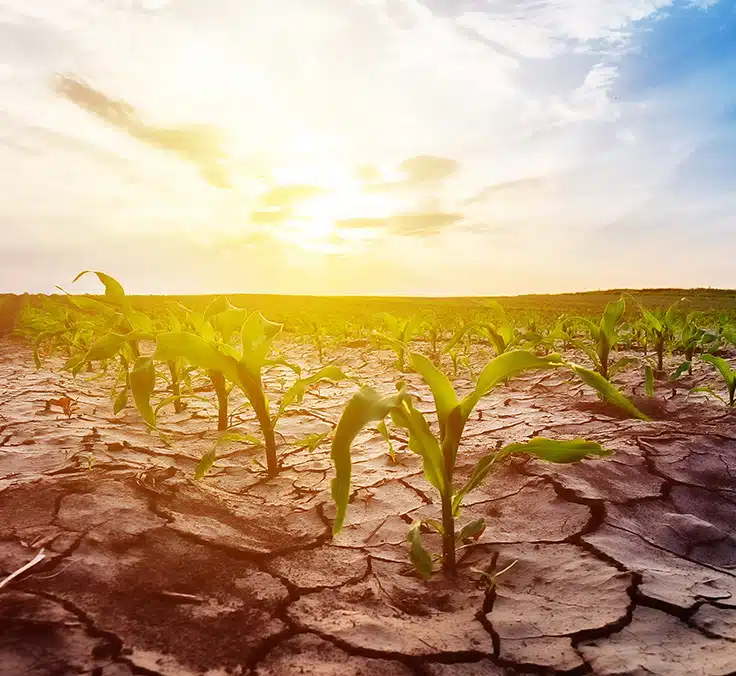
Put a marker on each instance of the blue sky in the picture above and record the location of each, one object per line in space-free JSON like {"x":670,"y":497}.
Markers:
{"x":432,"y":147}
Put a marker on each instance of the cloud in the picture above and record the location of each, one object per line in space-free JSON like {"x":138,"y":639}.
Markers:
{"x":423,"y":168}
{"x":200,"y":144}
{"x":408,"y":224}
{"x":523,"y":187}
{"x":291,"y":194}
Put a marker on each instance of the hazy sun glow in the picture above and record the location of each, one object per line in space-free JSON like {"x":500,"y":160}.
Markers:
{"x":313,"y":222}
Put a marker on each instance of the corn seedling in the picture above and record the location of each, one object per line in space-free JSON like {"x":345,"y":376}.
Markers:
{"x":661,"y":328}
{"x":244,"y":368}
{"x":400,"y":333}
{"x":729,"y":378}
{"x":439,"y":453}
{"x":604,"y":337}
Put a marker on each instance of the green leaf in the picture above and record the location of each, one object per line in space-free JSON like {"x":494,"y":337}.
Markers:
{"x":256,"y":337}
{"x":383,"y":430}
{"x":121,"y":401}
{"x":445,"y":398}
{"x":142,"y":382}
{"x":723,"y":367}
{"x":422,"y":442}
{"x":419,"y":556}
{"x":620,"y":364}
{"x":114,"y":292}
{"x":459,"y":335}
{"x":554,"y":450}
{"x":502,"y":367}
{"x":366,"y":406}
{"x":205,"y":464}
{"x":471,"y":531}
{"x":682,"y":368}
{"x":649,"y":380}
{"x":196,"y":351}
{"x":607,"y":390}
{"x":296,"y":392}
{"x":218,"y":305}
{"x":110,"y":344}
{"x":611,"y":316}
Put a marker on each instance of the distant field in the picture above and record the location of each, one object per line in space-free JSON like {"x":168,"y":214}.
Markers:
{"x":294,"y":309}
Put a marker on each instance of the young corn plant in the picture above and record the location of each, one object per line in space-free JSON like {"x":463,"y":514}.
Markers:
{"x":244,"y":369}
{"x":400,"y":333}
{"x":604,"y":337}
{"x":661,"y":328}
{"x":729,"y":378}
{"x":502,"y":335}
{"x":439,"y":453}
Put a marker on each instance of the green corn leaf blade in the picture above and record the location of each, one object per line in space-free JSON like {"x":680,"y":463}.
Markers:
{"x":383,"y":430}
{"x":413,"y":324}
{"x":708,"y":390}
{"x":395,"y":344}
{"x":607,"y":390}
{"x":121,"y":401}
{"x":502,"y":367}
{"x":653,"y":320}
{"x":445,"y":398}
{"x":280,"y":361}
{"x":611,"y":316}
{"x":197,"y":351}
{"x":229,"y":322}
{"x":497,"y":308}
{"x":233,"y":437}
{"x":593,"y":329}
{"x":256,"y":336}
{"x":723,"y":367}
{"x":590,"y":351}
{"x":649,"y":380}
{"x":114,"y":292}
{"x":554,"y":450}
{"x":168,"y":400}
{"x":422,"y":442}
{"x":680,"y":370}
{"x":366,"y":406}
{"x":312,"y":442}
{"x":92,"y":305}
{"x":459,"y":335}
{"x":110,"y":344}
{"x":296,"y":392}
{"x":420,"y":557}
{"x":471,"y":531}
{"x":670,"y":316}
{"x":218,"y":305}
{"x":139,"y":321}
{"x":620,"y":364}
{"x":142,"y":382}
{"x":497,"y":340}
{"x":435,"y":525}
{"x":173,"y":320}
{"x":205,"y":464}
{"x":481,"y":470}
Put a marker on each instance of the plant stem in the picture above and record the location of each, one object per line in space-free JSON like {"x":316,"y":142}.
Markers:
{"x":175,"y":387}
{"x":448,"y":538}
{"x":218,"y":381}
{"x":270,"y":438}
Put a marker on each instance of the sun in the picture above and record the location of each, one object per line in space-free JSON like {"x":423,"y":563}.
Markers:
{"x":314,"y":221}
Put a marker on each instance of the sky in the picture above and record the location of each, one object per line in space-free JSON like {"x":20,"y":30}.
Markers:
{"x":402,"y":147}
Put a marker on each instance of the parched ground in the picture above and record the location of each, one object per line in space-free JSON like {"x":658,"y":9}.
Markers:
{"x":623,"y":566}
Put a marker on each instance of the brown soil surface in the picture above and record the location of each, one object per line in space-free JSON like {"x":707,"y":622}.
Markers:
{"x":625,"y":565}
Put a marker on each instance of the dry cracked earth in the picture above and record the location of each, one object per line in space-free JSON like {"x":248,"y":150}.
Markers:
{"x":624,"y":565}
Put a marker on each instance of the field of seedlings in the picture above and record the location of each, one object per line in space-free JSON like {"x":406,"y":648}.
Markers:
{"x":267,"y":486}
